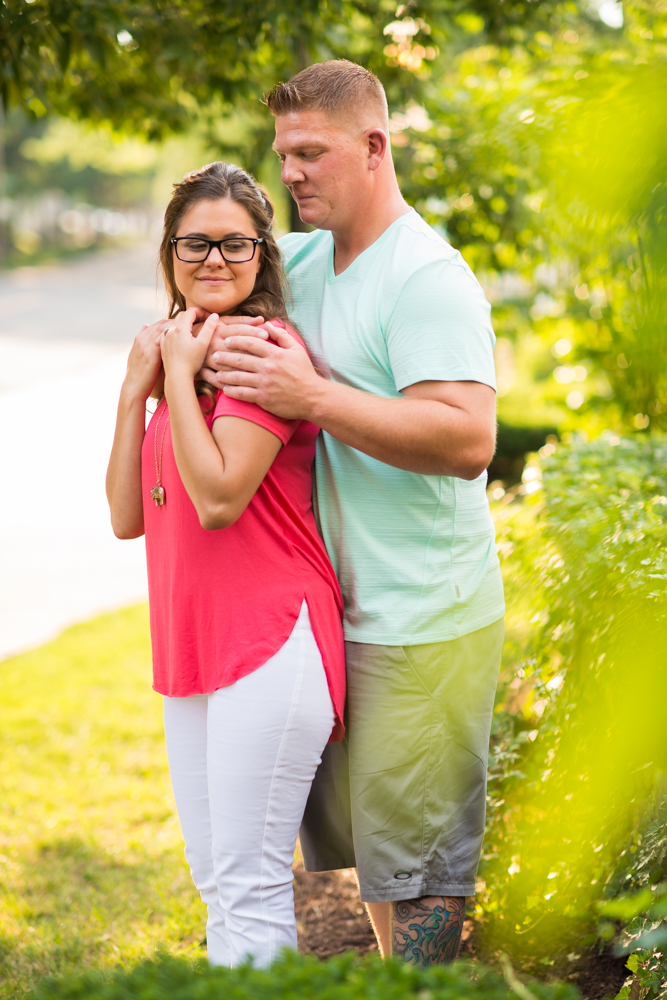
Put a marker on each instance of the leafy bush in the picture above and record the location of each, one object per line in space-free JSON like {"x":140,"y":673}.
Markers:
{"x":342,"y":978}
{"x":580,"y":754}
{"x":643,"y":912}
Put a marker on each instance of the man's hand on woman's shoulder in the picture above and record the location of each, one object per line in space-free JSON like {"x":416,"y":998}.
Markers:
{"x":229,"y":326}
{"x":275,"y":373}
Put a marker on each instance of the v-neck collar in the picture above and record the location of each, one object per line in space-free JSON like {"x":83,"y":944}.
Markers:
{"x":333,"y":278}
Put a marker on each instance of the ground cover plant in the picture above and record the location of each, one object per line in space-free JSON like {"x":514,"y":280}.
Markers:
{"x":344,"y":978}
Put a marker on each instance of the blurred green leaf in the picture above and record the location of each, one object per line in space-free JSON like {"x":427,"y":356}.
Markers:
{"x":627,"y":907}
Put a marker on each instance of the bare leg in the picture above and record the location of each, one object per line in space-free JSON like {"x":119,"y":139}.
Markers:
{"x":427,"y":931}
{"x":380,"y":915}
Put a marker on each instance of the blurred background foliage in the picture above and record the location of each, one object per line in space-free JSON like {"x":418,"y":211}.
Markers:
{"x":533,"y":135}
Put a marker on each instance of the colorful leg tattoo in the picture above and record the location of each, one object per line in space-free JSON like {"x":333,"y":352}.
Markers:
{"x":427,"y":931}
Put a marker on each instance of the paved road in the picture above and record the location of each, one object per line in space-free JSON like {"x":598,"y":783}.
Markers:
{"x":64,"y":335}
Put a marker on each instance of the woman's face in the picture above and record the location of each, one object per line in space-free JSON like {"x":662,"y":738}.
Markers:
{"x":215,"y":284}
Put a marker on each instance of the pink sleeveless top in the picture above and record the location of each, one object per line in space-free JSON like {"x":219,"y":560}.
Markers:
{"x":224,"y":602}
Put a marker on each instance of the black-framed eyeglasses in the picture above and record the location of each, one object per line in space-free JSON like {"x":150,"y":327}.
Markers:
{"x":195,"y":249}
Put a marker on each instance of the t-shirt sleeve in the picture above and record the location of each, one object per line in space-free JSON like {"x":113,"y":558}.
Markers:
{"x":440,"y":328}
{"x":227,"y":407}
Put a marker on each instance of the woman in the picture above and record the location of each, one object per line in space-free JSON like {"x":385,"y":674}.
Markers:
{"x":244,"y":605}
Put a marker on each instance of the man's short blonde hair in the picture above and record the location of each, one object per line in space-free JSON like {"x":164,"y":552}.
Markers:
{"x":340,"y":88}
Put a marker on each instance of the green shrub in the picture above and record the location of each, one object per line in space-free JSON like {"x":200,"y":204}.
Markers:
{"x":293,"y":976}
{"x":581,"y":749}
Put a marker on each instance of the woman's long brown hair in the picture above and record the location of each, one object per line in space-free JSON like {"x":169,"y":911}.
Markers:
{"x":210,"y":183}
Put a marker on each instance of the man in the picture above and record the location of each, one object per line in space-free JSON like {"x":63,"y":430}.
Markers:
{"x":396,"y":320}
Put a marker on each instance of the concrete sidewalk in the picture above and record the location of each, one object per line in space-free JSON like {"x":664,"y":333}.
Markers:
{"x":65,"y":332}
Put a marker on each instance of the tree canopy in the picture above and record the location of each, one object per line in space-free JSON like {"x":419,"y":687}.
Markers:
{"x":506,"y":117}
{"x":144,"y":64}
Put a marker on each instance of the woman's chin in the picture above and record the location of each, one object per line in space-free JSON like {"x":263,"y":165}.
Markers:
{"x":222,"y":305}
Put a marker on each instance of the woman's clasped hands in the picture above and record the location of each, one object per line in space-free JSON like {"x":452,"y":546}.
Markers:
{"x":181,"y":350}
{"x":189,"y":337}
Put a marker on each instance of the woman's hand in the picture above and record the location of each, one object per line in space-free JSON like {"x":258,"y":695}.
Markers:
{"x":144,"y":367}
{"x":145,"y":360}
{"x":182,"y":352}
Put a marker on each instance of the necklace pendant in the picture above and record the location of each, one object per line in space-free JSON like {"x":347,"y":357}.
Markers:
{"x":157,"y":494}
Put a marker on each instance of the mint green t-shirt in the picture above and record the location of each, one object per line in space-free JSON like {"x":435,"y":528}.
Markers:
{"x":415,"y":555}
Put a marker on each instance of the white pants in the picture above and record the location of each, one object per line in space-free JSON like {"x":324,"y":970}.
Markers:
{"x":242,"y":761}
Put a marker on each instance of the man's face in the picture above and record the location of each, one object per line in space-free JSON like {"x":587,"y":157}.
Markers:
{"x":324,"y":165}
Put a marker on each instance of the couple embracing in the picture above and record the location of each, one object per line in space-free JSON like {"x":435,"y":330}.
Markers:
{"x":325,"y":595}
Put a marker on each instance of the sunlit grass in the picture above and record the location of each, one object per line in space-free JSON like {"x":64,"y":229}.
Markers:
{"x":92,"y":872}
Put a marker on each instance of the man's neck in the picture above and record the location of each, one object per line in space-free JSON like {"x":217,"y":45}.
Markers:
{"x":367,"y":227}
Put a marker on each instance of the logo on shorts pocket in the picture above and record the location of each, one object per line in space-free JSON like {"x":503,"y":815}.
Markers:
{"x":403,"y":875}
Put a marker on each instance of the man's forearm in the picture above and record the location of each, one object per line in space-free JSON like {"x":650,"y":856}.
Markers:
{"x":444,"y":428}
{"x":418,"y":435}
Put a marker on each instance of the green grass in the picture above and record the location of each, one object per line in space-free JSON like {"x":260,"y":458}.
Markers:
{"x":92,"y":871}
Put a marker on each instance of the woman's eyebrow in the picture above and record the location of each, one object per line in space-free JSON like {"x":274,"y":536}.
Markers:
{"x":205,"y":236}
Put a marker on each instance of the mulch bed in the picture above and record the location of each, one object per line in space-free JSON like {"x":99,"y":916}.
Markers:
{"x":331,"y":920}
{"x":602,"y":976}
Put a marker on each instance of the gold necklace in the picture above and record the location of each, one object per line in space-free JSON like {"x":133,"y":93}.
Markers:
{"x":157,"y":493}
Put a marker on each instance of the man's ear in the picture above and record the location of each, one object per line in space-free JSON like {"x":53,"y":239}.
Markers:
{"x":378,"y":144}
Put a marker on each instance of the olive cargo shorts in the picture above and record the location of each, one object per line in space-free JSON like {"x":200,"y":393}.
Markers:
{"x":403,"y":797}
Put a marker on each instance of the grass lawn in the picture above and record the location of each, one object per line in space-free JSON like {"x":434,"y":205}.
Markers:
{"x":92,"y":871}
